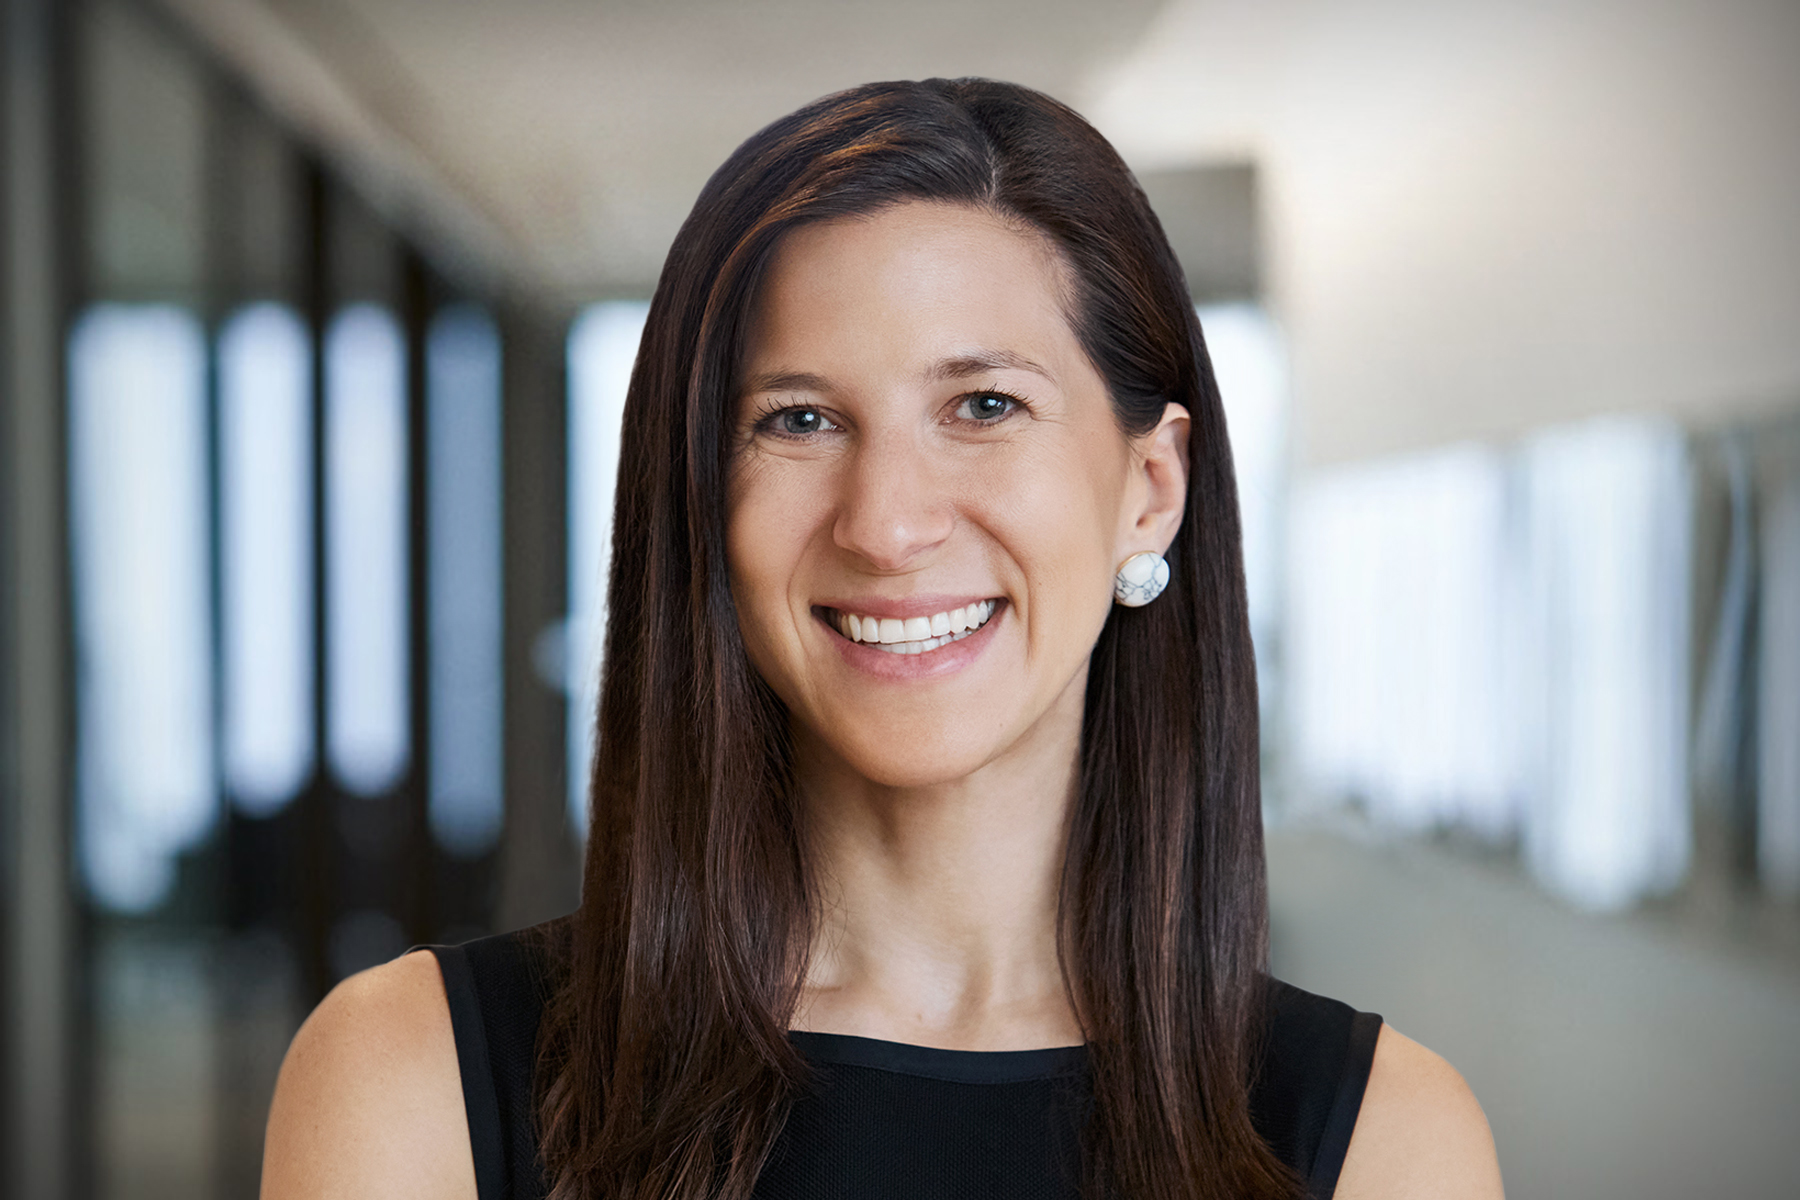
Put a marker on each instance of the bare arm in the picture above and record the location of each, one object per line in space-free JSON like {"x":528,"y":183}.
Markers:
{"x":369,"y":1102}
{"x":1420,"y":1132}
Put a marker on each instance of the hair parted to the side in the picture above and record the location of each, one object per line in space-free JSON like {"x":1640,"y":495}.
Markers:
{"x":664,"y":1068}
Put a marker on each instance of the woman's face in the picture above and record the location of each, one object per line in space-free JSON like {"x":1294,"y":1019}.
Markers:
{"x":930,"y":494}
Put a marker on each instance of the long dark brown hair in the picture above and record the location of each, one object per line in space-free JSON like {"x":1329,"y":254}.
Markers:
{"x":665,"y":1072}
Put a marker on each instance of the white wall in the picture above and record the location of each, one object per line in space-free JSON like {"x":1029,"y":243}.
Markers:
{"x":1483,"y":217}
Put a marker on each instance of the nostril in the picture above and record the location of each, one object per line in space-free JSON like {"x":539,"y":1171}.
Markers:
{"x":892,"y":511}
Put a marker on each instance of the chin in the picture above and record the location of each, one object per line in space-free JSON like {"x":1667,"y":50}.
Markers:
{"x":904,"y":776}
{"x":910,"y":764}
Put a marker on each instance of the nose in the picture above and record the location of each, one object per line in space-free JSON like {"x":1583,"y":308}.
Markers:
{"x":895,"y":507}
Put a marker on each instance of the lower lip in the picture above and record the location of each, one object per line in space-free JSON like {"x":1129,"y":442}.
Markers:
{"x":930,"y":664}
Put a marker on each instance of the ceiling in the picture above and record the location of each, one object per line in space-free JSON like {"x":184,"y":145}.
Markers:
{"x":1469,"y":218}
{"x":559,"y":143}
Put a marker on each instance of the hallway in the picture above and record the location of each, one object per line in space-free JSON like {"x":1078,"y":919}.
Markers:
{"x":1616,"y":1056}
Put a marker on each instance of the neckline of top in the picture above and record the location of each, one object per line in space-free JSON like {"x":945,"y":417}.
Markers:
{"x":934,"y":1062}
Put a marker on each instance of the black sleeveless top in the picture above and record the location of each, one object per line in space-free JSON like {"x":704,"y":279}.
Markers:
{"x":892,"y":1120}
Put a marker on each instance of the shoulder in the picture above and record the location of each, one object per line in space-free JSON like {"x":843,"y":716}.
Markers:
{"x":1420,"y":1131}
{"x":369,"y":1100}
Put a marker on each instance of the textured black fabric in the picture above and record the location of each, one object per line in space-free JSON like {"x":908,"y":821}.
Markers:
{"x":890,"y":1120}
{"x":487,"y":1134}
{"x":1309,"y":1086}
{"x":895,"y":1122}
{"x":496,"y":988}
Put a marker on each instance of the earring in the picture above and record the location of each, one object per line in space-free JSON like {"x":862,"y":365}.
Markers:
{"x":1141,"y":579}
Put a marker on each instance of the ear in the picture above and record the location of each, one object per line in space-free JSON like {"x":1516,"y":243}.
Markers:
{"x":1159,"y":484}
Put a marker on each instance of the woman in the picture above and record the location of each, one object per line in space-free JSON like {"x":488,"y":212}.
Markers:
{"x":926,"y":850}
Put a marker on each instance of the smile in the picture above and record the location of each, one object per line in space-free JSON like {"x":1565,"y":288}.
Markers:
{"x":913,"y":635}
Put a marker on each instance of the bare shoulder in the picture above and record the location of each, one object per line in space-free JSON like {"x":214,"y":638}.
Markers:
{"x":1420,"y":1131}
{"x":369,"y":1101}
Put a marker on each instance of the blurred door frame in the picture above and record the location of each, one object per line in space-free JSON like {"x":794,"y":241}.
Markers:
{"x":39,"y":964}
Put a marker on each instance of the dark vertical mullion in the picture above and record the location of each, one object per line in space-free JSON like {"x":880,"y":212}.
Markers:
{"x":218,"y":284}
{"x":74,"y":233}
{"x":9,"y":748}
{"x":238,"y":1155}
{"x":45,"y":1138}
{"x":314,"y":877}
{"x":538,"y":861}
{"x":419,"y":860}
{"x":214,"y":302}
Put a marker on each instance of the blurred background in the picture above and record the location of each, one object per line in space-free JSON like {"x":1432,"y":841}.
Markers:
{"x":315,"y":317}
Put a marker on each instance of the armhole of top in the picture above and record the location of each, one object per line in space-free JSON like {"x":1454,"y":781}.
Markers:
{"x":1365,"y":1029}
{"x":480,"y":1103}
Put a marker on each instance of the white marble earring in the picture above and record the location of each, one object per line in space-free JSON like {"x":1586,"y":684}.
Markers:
{"x":1141,"y":579}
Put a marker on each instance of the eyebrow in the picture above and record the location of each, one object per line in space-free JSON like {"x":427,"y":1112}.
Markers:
{"x":982,"y":361}
{"x":786,"y":381}
{"x":961,"y":366}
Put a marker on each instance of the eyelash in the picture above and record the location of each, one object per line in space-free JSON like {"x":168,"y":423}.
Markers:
{"x":1015,"y":401}
{"x":765,"y":421}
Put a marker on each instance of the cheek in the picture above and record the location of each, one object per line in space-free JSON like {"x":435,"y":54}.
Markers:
{"x":1057,"y":509}
{"x":765,"y":537}
{"x":749,"y":558}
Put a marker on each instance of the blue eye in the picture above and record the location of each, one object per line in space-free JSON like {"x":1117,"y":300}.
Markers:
{"x":798,"y":422}
{"x":985,"y":406}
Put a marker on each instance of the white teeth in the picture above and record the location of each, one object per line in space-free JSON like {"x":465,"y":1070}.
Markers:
{"x":916,"y":635}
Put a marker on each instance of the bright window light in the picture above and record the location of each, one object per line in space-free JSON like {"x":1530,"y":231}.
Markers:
{"x":1396,"y":666}
{"x":1604,"y":658}
{"x":602,"y":346}
{"x":463,"y":405}
{"x":1251,"y":370}
{"x":1497,"y":641}
{"x":367,"y":732}
{"x":266,"y":533}
{"x":138,"y":531}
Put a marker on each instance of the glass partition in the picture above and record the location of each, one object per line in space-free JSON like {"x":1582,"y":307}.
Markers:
{"x":463,"y":383}
{"x":366,"y":528}
{"x":266,"y":537}
{"x":138,"y":532}
{"x":603,"y":343}
{"x":284,"y":519}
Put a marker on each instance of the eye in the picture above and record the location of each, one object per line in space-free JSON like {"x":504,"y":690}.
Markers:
{"x":797,"y":422}
{"x":986,"y":407}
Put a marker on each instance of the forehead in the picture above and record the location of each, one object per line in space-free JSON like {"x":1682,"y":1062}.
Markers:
{"x":914,"y":277}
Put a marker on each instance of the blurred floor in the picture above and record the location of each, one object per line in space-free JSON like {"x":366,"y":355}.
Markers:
{"x":1615,"y":1056}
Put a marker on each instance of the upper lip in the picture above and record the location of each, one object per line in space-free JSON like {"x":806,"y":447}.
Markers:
{"x":908,"y":606}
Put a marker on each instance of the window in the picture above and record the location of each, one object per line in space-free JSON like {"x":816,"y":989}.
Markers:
{"x":602,"y":346}
{"x":266,"y":556}
{"x":463,"y":389}
{"x":139,"y":534}
{"x":1496,"y":641}
{"x":367,"y":728}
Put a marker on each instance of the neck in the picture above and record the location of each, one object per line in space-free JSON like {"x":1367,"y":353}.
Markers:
{"x":938,"y":922}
